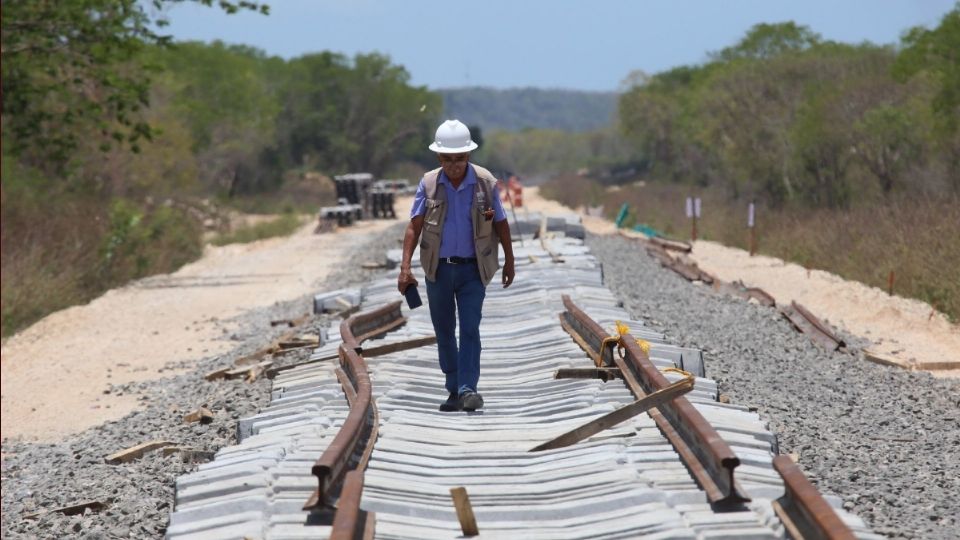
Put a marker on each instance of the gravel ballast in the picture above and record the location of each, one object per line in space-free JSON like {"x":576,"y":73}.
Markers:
{"x":883,"y":439}
{"x":39,"y":477}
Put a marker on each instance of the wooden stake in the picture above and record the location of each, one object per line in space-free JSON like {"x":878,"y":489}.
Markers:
{"x":890,"y":284}
{"x":468,"y":522}
{"x":622,"y":414}
{"x":135,"y":452}
{"x":201,"y":414}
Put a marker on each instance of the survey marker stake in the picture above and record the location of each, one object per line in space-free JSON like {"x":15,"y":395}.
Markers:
{"x":461,"y":501}
{"x":644,"y":404}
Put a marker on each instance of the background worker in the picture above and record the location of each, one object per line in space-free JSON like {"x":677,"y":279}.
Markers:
{"x":458,"y":212}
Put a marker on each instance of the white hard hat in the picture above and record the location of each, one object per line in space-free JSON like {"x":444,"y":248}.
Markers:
{"x":453,"y":137}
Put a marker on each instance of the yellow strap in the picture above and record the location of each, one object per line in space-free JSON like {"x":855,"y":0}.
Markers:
{"x":686,"y":374}
{"x":644,"y":345}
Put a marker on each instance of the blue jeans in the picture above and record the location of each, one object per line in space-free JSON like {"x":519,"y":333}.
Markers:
{"x":458,"y":290}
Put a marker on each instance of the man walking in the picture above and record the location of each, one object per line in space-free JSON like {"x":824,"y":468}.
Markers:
{"x":458,"y":212}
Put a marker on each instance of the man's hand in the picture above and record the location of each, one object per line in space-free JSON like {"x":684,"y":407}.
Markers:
{"x":507,"y":272}
{"x":405,"y":279}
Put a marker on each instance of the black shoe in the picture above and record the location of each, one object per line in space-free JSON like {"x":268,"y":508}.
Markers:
{"x":452,"y":404}
{"x":471,"y":401}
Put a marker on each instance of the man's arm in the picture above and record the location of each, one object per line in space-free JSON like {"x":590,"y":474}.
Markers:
{"x":503,"y":232}
{"x":410,"y":239}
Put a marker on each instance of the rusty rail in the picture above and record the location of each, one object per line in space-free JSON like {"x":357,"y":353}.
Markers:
{"x":361,"y":422}
{"x":803,"y":511}
{"x":350,"y":522}
{"x":709,"y":458}
{"x":807,"y":323}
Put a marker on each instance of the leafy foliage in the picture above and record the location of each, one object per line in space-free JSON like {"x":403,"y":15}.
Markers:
{"x":786,"y":116}
{"x":361,"y":115}
{"x":75,"y":66}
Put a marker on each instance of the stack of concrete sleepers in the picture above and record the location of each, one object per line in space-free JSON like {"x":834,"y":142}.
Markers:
{"x":624,"y":482}
{"x":256,"y":488}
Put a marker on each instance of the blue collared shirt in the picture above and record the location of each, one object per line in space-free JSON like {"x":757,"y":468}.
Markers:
{"x":457,"y":237}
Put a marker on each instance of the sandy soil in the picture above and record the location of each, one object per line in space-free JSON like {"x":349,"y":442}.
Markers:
{"x":907,"y":330}
{"x":55,"y":372}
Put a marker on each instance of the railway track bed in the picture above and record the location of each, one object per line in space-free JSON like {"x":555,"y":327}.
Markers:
{"x":626,"y":481}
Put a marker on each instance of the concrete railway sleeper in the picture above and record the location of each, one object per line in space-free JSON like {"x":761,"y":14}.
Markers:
{"x":626,"y":481}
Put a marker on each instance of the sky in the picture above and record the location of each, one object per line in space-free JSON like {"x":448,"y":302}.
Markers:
{"x":581,"y":45}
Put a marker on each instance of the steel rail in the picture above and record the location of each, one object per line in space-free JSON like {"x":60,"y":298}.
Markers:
{"x":820,"y":327}
{"x":350,"y":522}
{"x":803,"y":510}
{"x":362,"y":420}
{"x":807,"y":323}
{"x":708,"y":457}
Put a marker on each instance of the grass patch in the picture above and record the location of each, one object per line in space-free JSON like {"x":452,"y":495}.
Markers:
{"x":916,"y":238}
{"x":284,"y":225}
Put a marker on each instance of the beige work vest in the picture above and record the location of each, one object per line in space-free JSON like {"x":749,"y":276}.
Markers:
{"x":485,"y":240}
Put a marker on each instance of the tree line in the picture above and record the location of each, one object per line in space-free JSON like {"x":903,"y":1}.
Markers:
{"x":115,"y":140}
{"x":785,"y":115}
{"x":96,"y":96}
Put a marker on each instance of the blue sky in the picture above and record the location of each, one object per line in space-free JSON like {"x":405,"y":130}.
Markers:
{"x":585,"y":45}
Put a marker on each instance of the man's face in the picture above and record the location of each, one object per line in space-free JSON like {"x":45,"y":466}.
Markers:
{"x":454,"y":165}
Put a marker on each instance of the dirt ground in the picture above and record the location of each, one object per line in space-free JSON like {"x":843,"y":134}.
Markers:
{"x":55,"y":372}
{"x":907,"y":331}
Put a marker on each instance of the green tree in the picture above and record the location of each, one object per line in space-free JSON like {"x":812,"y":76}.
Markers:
{"x":343,"y":115}
{"x":229,"y":97}
{"x":765,"y":41}
{"x":937,"y":53}
{"x":73,"y":68}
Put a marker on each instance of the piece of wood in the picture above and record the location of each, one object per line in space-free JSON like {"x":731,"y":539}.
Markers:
{"x":884,"y":359}
{"x":379,"y":350}
{"x":272,"y":372}
{"x":217,"y":374}
{"x":622,"y":414}
{"x":398,"y":346}
{"x":298,"y":344}
{"x":244,"y":371}
{"x":288,"y":350}
{"x":71,"y":509}
{"x":605,"y":373}
{"x":674,"y":245}
{"x":461,"y":501}
{"x":136,"y":452}
{"x":254,"y":373}
{"x":201,"y":414}
{"x":373,"y":265}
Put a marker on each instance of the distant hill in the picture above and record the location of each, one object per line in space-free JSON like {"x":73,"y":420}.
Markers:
{"x":521,"y":108}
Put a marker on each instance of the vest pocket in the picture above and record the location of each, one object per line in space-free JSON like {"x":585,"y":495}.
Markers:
{"x":484,"y":227}
{"x":488,"y":262}
{"x":434,"y":212}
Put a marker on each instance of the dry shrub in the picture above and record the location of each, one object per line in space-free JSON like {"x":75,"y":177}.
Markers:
{"x":60,"y":251}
